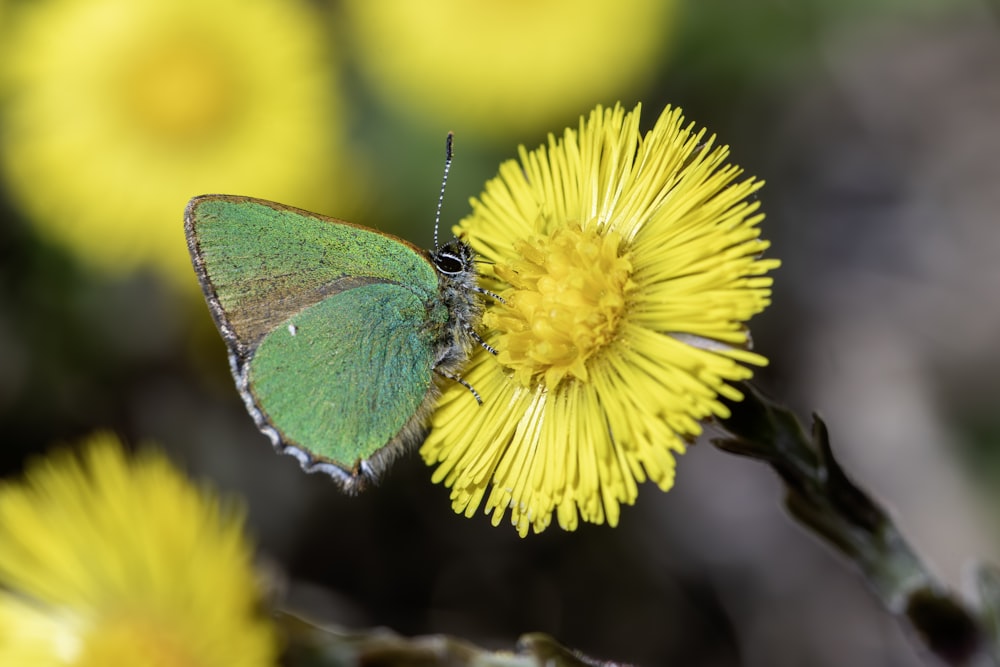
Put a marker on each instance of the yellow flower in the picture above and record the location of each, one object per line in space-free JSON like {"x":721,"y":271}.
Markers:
{"x":629,"y":265}
{"x":107,"y":561}
{"x":494,"y":68}
{"x":118,"y":111}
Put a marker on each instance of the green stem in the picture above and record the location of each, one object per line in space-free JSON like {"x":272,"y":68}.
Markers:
{"x":824,"y":501}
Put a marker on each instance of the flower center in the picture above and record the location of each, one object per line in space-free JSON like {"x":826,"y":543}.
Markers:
{"x":134,"y":640}
{"x":180,"y":91}
{"x":569,"y":292}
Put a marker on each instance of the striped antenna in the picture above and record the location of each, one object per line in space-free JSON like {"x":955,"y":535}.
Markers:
{"x":444,"y":181}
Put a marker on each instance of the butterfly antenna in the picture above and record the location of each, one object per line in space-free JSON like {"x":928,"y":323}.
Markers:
{"x":444,"y":181}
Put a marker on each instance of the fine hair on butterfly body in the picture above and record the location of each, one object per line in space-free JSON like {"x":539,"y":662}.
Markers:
{"x":335,"y":331}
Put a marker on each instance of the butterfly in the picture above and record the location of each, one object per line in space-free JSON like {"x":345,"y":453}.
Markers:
{"x":335,"y":331}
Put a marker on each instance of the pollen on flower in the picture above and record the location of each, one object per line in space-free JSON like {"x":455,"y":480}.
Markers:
{"x":569,"y":292}
{"x":135,"y":635}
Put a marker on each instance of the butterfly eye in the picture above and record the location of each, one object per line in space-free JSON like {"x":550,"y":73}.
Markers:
{"x":449,"y":264}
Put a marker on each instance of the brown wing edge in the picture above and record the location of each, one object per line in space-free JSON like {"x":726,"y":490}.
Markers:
{"x":207,"y":288}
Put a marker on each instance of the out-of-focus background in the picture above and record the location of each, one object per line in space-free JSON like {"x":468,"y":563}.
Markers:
{"x":876,"y":124}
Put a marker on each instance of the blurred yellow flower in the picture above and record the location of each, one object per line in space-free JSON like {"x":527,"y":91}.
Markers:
{"x":110,"y":561}
{"x":629,"y":265}
{"x":496,"y":68}
{"x":118,"y":111}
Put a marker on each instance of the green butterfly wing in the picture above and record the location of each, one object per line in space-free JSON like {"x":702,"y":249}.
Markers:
{"x":260,"y":262}
{"x":330,"y":329}
{"x":349,"y":377}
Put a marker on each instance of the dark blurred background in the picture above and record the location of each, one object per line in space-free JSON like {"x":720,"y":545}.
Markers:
{"x":874,"y":123}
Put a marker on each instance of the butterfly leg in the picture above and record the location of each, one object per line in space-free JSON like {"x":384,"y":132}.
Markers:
{"x":488,"y":293}
{"x":479,"y":339}
{"x":462,"y":382}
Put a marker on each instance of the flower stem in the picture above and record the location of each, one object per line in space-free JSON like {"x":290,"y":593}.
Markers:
{"x":823,"y":500}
